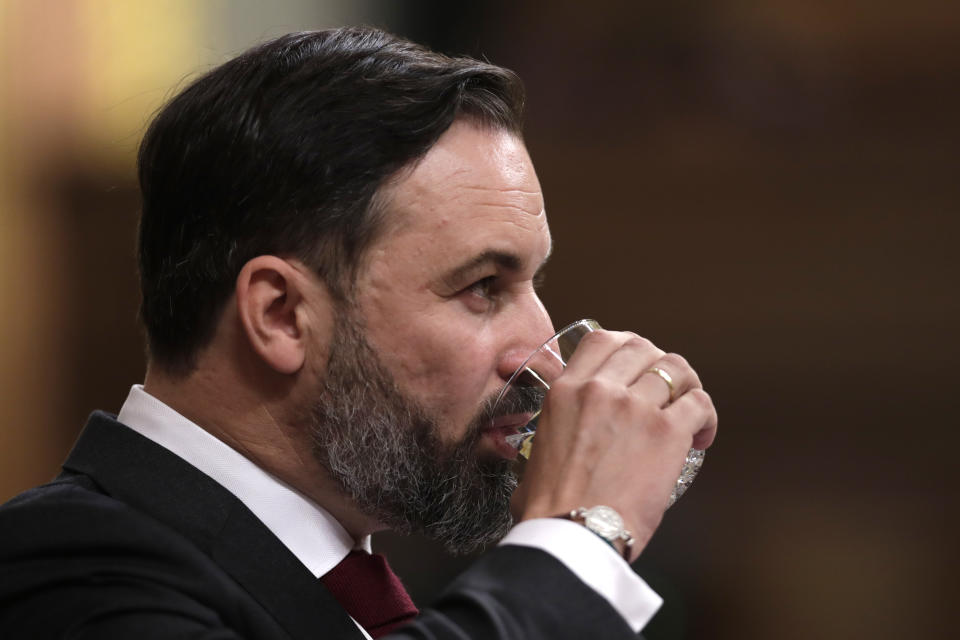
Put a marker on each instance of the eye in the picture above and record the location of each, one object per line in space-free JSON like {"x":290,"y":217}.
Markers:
{"x":482,"y":288}
{"x":481,"y":296}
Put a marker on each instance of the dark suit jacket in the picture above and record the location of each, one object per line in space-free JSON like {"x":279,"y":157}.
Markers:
{"x":130,"y":541}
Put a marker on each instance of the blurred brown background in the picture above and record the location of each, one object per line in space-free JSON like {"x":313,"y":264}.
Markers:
{"x":769,"y":188}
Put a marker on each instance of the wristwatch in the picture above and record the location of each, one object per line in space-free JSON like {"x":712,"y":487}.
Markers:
{"x":604,"y":522}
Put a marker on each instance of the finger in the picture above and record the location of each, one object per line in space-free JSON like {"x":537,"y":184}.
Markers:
{"x":625,"y":365}
{"x":667,"y":379}
{"x":695,"y":411}
{"x":593,"y":351}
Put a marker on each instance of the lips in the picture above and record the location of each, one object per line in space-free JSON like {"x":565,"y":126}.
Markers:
{"x":503,"y":426}
{"x":510,"y":423}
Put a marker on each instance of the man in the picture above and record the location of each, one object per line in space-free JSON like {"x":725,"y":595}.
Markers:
{"x":339,"y":241}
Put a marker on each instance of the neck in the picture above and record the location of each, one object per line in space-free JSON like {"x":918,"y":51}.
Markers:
{"x":261,"y":426}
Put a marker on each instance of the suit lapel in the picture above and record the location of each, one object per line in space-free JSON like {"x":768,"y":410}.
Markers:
{"x":138,"y":472}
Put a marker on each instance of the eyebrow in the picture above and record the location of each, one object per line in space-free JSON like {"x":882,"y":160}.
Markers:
{"x":502,"y":259}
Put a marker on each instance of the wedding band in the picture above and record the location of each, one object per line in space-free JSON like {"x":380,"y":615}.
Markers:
{"x":665,"y":377}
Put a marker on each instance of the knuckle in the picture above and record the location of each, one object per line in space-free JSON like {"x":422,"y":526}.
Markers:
{"x":593,"y":386}
{"x":676,"y":360}
{"x":703,"y":399}
{"x":598,"y":394}
{"x":596,"y":389}
{"x":638,"y":342}
{"x":659,"y":425}
{"x":595,"y":337}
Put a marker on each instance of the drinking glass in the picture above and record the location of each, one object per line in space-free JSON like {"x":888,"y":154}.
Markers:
{"x":522,"y":397}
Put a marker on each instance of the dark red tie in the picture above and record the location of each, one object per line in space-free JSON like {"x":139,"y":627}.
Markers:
{"x":370,"y":592}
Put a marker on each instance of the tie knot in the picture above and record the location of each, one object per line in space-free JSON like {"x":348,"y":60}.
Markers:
{"x":371,"y":592}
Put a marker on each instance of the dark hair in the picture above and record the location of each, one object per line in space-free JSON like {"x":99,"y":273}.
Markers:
{"x":281,"y":151}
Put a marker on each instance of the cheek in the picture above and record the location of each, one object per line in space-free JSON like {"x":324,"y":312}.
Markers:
{"x":439,"y":368}
{"x":445,"y":373}
{"x":434,"y":355}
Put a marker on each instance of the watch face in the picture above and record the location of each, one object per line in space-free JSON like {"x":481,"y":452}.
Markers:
{"x":603,"y":521}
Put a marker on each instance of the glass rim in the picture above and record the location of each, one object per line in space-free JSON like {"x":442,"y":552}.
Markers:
{"x":588,"y":322}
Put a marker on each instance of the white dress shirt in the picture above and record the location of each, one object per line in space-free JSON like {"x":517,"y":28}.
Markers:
{"x":320,"y":542}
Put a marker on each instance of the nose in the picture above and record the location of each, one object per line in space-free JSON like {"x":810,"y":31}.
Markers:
{"x":525,"y":332}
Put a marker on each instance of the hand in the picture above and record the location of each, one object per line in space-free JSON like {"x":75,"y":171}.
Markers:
{"x":609,"y":433}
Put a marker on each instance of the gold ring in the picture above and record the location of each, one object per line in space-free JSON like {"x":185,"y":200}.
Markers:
{"x":665,"y":377}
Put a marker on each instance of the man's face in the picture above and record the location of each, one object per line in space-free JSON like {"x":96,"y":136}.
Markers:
{"x":444,"y":311}
{"x":446,"y":294}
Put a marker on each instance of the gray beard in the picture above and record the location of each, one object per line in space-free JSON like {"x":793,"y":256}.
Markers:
{"x":385,"y":452}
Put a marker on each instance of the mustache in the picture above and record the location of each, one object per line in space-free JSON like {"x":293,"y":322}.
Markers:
{"x":515,"y":399}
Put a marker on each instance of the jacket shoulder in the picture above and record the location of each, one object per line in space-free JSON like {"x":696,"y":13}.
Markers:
{"x":71,"y":517}
{"x":74,"y":558}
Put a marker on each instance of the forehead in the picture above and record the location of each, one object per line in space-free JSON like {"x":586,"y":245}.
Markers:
{"x":474,"y":189}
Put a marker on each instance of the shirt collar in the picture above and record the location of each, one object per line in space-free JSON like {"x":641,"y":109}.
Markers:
{"x":303,"y":526}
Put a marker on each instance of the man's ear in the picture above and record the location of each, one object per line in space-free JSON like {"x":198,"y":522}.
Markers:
{"x":271,"y":307}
